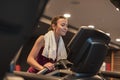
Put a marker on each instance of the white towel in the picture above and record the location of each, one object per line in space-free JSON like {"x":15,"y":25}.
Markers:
{"x":49,"y":50}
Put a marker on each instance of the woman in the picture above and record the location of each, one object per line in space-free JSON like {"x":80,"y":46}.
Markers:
{"x":49,"y":48}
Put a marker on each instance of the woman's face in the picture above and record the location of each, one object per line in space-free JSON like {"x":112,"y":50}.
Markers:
{"x":62,"y":27}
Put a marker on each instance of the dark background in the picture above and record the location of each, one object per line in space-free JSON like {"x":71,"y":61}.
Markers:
{"x":17,"y":21}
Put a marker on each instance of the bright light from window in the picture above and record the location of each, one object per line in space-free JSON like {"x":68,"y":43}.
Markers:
{"x":67,"y":15}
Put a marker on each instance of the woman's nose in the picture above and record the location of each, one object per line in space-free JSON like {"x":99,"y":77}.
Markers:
{"x":66,"y":28}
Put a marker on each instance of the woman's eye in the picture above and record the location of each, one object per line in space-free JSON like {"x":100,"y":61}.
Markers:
{"x":63,"y":24}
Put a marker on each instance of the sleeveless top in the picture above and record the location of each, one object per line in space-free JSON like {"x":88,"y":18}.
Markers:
{"x":41,"y":60}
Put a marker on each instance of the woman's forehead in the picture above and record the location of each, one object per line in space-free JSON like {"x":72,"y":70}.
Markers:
{"x":62,"y":20}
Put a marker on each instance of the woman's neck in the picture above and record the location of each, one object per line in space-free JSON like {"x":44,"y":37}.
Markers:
{"x":57,"y":37}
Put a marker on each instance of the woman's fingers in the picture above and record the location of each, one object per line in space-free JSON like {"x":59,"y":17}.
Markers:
{"x":49,"y":65}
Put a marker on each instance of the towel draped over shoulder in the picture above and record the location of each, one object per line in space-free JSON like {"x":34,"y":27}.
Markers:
{"x":50,"y":47}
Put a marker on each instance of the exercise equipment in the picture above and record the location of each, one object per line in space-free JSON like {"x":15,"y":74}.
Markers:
{"x":87,"y":51}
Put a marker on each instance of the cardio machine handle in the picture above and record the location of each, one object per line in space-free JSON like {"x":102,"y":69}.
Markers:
{"x":43,"y":71}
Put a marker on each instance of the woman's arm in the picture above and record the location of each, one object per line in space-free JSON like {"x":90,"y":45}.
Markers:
{"x":34,"y":52}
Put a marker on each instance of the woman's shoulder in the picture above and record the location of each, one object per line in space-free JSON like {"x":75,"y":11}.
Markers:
{"x":40,"y":39}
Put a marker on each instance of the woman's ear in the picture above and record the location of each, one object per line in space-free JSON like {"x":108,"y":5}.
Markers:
{"x":53,"y":26}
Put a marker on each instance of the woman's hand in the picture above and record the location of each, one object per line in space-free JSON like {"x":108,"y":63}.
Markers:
{"x":50,"y":66}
